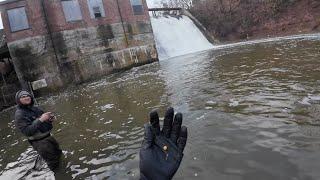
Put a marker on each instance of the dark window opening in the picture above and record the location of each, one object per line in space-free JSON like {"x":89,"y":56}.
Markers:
{"x":137,"y":7}
{"x":137,"y":10}
{"x":96,"y":12}
{"x":96,"y":8}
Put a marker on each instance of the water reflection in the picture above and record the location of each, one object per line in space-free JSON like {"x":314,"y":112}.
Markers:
{"x":252,"y":111}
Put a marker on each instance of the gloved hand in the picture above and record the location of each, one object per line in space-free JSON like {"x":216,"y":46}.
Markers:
{"x":162,"y":151}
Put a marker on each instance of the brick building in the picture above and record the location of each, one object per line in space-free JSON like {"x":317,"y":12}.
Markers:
{"x":58,"y":42}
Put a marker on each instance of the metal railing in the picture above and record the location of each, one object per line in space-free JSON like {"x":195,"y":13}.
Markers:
{"x":164,"y":9}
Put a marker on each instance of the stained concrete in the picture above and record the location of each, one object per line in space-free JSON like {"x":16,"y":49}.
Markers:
{"x":78,"y":55}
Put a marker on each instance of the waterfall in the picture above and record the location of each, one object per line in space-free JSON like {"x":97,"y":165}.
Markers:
{"x":177,"y":35}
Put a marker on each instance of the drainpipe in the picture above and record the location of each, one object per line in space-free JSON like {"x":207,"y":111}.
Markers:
{"x":49,"y":30}
{"x":5,"y":85}
{"x":4,"y":80}
{"x":124,"y":31}
{"x":4,"y":98}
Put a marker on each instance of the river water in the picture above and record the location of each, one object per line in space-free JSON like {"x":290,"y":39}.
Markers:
{"x":252,"y":112}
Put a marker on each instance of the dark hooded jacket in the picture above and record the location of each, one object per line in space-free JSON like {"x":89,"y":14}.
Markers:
{"x":27,"y":119}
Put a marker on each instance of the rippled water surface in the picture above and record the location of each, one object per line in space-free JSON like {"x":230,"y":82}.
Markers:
{"x":252,"y":111}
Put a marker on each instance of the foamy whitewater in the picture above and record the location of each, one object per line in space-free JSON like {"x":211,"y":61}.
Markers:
{"x":177,"y":36}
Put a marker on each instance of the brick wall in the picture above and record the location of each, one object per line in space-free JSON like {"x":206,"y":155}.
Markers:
{"x":35,"y":20}
{"x":75,"y":52}
{"x":55,"y":16}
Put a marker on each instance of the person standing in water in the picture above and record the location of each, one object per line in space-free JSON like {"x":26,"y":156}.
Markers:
{"x":36,"y":125}
{"x":160,"y":155}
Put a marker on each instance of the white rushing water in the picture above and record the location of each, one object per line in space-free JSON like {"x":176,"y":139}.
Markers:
{"x":177,"y":36}
{"x":180,"y":36}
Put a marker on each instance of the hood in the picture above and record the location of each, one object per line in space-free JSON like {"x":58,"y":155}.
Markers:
{"x":21,"y":93}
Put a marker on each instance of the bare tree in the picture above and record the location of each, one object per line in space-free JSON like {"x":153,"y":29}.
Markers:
{"x":186,"y":4}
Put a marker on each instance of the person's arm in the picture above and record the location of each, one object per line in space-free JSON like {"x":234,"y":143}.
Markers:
{"x":45,"y":126}
{"x":28,"y":129}
{"x":162,"y":151}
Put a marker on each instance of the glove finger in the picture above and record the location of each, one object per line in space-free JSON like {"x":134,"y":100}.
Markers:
{"x":182,"y":140}
{"x":167,"y":124}
{"x":148,"y":136}
{"x":154,"y":121}
{"x":176,"y":126}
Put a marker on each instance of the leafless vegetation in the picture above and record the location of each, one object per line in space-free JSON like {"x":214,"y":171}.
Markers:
{"x":222,"y":17}
{"x":186,"y":4}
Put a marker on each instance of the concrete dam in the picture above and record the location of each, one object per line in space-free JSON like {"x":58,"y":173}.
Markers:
{"x":176,"y":36}
{"x":176,"y":31}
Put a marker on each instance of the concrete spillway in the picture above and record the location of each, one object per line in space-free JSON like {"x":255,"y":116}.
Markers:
{"x":177,"y":36}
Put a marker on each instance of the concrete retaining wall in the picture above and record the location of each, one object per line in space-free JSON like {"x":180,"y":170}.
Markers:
{"x":204,"y":31}
{"x":79,"y":55}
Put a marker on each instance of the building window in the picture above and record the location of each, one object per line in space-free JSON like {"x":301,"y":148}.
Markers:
{"x":96,"y":8}
{"x":71,"y":10}
{"x":18,"y":19}
{"x":96,"y":12}
{"x":137,"y":7}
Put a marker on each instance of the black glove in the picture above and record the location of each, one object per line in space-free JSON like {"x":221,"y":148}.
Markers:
{"x":162,"y":151}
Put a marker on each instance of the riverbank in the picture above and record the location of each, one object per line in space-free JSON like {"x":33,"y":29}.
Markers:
{"x":301,"y":18}
{"x":256,"y":20}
